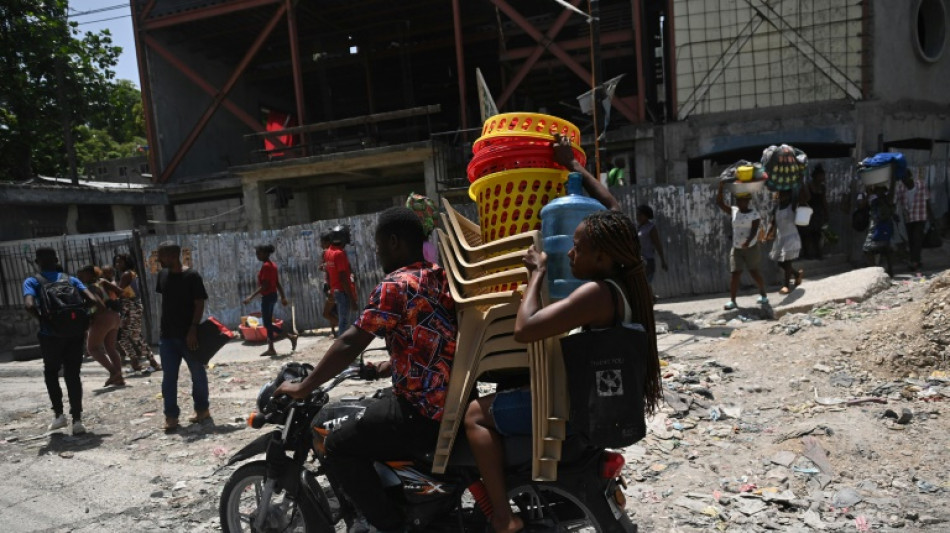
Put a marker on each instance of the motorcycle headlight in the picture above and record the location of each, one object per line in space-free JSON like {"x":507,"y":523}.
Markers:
{"x":265,"y":394}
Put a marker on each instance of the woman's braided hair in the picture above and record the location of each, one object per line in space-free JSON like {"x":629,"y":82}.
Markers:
{"x":615,"y":234}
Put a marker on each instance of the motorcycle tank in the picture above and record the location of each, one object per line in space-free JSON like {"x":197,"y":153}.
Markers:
{"x":338,"y":412}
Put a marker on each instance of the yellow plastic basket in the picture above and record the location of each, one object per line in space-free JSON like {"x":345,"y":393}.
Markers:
{"x":510,"y":202}
{"x":530,"y":125}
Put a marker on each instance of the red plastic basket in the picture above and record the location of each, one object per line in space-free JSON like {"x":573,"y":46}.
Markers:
{"x":496,"y":159}
{"x":258,"y":334}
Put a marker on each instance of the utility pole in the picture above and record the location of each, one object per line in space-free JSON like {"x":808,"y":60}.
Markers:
{"x":596,"y":67}
{"x":64,"y":102}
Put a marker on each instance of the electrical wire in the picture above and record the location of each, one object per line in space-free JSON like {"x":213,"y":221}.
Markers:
{"x":212,"y":217}
{"x":98,"y":10}
{"x":103,"y":20}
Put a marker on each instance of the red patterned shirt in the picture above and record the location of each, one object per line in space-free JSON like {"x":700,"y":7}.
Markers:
{"x":414,"y":311}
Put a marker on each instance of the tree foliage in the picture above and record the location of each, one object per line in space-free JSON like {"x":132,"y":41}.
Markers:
{"x":49,"y":71}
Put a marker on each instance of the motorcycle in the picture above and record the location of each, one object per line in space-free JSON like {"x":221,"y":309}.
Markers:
{"x":285,"y":491}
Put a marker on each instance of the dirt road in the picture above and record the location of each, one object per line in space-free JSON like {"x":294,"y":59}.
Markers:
{"x":769,"y":425}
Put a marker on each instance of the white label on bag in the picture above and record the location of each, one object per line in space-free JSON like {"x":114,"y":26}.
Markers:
{"x":609,"y":382}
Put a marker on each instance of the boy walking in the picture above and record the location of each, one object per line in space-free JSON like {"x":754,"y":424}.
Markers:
{"x":183,"y":305}
{"x":59,"y":302}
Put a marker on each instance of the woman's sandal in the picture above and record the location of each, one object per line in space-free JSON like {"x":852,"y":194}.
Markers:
{"x":293,"y":341}
{"x":268,"y":353}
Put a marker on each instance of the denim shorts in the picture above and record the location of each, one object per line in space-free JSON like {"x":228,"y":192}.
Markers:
{"x":511,"y":411}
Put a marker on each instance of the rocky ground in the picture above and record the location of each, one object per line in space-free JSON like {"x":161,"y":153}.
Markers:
{"x":831,"y":420}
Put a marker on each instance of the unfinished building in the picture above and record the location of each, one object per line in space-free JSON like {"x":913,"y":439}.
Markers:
{"x":265,"y":113}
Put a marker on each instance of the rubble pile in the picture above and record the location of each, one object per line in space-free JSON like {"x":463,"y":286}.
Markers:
{"x":917,"y":342}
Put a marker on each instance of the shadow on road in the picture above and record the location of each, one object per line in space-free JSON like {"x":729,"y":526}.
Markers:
{"x":61,"y":442}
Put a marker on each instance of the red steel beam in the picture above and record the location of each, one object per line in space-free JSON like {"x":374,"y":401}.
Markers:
{"x":613,"y":37}
{"x":535,"y":54}
{"x":223,"y":94}
{"x":145,"y":12}
{"x":566,"y":59}
{"x":206,"y":12}
{"x":244,"y":116}
{"x":460,"y":63}
{"x":638,"y":42}
{"x":295,"y":63}
{"x":146,"y":93}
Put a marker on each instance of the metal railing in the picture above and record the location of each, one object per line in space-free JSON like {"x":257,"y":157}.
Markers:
{"x":452,"y":152}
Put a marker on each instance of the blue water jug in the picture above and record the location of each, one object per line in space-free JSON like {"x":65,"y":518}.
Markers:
{"x":559,"y":219}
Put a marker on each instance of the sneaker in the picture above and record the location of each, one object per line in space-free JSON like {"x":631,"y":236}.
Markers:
{"x":78,"y":428}
{"x":58,"y":423}
{"x":762,"y":300}
{"x":171,"y":424}
{"x":200,"y":416}
{"x":730,"y":306}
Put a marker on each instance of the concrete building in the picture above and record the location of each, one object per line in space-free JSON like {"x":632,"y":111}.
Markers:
{"x":264,"y":113}
{"x":838,"y":79}
{"x":48,"y":207}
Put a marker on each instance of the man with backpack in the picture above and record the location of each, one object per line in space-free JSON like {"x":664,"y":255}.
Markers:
{"x":59,"y":302}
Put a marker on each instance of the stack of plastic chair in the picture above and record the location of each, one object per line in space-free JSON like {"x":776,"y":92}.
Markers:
{"x":486,"y":338}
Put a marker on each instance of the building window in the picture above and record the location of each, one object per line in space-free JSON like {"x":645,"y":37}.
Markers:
{"x":103,"y":171}
{"x":930,"y":29}
{"x":123,"y":171}
{"x":143,"y":168}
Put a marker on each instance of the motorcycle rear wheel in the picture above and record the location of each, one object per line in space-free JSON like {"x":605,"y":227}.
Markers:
{"x":554,"y":508}
{"x":241,"y":499}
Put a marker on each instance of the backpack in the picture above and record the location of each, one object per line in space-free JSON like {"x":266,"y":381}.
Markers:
{"x":63,"y":307}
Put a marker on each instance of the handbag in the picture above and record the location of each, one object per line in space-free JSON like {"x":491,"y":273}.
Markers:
{"x":932,"y":237}
{"x":606,"y":372}
{"x":212,"y":336}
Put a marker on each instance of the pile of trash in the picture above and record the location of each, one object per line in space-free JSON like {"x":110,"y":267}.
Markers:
{"x":918,"y":341}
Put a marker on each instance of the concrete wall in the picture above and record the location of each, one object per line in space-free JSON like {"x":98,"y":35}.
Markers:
{"x":112,"y":170}
{"x":737,"y":54}
{"x":178,"y":104}
{"x":900,"y":72}
{"x":208,"y":217}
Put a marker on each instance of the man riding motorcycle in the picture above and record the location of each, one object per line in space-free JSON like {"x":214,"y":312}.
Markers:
{"x":414,"y":311}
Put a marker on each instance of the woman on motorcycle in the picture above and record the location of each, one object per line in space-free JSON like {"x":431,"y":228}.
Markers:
{"x":606,"y":252}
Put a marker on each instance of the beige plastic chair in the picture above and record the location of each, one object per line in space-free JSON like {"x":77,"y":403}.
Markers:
{"x":484,"y":266}
{"x":470,"y":237}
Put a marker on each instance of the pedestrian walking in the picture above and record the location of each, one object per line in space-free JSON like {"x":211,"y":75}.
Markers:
{"x":818,"y":202}
{"x":59,"y":302}
{"x":788,"y":243}
{"x":329,"y":306}
{"x":183,"y":303}
{"x":650,"y":244}
{"x":913,"y":197}
{"x":744,"y":254}
{"x":103,"y":326}
{"x":131,"y":340}
{"x":341,"y":278}
{"x":877,"y":243}
{"x":268,"y":286}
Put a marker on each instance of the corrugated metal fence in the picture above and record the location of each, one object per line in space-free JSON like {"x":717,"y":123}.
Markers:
{"x":696,"y":238}
{"x":229,"y":267}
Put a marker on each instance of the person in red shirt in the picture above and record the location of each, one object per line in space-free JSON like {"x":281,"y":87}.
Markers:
{"x":341,"y":278}
{"x":329,"y":307}
{"x":268,"y":285}
{"x":413,"y":310}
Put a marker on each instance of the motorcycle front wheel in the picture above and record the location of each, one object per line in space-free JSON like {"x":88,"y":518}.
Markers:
{"x":241,"y":502}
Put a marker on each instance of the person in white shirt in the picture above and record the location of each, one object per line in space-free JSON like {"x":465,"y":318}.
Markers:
{"x":745,"y":254}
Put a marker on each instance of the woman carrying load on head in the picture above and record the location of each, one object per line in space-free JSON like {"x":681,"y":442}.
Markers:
{"x":131,"y":341}
{"x":744,"y":253}
{"x":268,"y":286}
{"x":788,"y":242}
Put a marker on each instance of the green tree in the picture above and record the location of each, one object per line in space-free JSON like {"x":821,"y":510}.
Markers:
{"x":48,"y":71}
